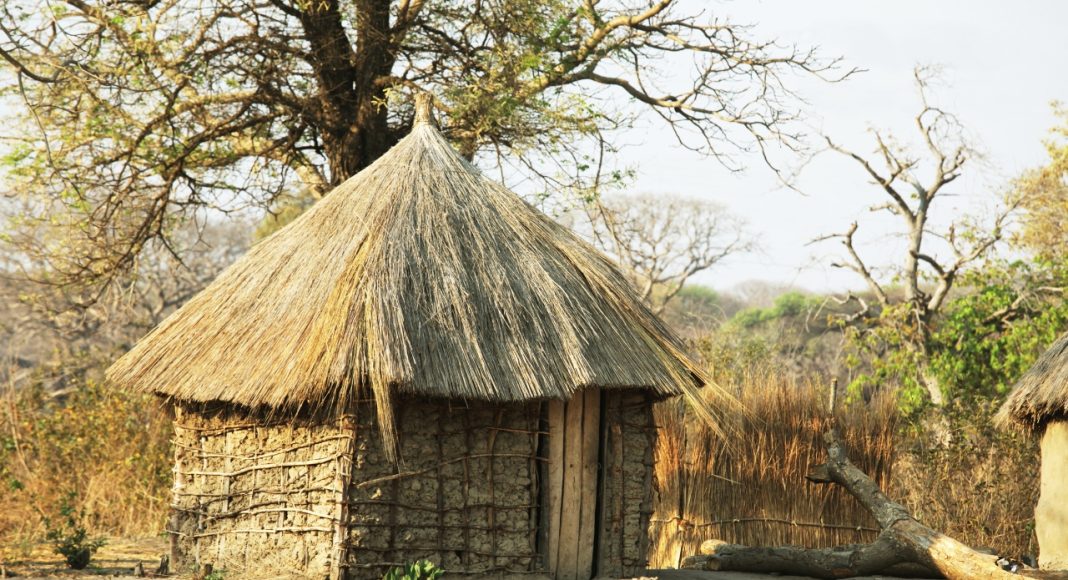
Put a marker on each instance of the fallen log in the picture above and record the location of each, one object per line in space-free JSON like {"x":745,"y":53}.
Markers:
{"x":880,"y":557}
{"x":905,"y":547}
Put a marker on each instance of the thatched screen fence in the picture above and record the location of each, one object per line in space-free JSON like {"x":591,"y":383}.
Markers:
{"x":751,"y":490}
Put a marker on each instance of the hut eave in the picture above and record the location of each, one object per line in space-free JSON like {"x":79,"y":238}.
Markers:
{"x":1041,"y":394}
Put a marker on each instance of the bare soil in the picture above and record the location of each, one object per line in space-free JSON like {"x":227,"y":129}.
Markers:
{"x":119,"y":556}
{"x":116,"y":559}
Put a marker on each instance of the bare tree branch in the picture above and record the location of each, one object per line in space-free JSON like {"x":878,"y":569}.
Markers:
{"x":911,"y":186}
{"x":663,"y":240}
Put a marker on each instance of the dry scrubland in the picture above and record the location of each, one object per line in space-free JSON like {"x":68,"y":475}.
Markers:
{"x":981,"y":487}
{"x":112,"y":451}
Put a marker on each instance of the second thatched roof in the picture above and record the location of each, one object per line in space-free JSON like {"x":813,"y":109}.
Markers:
{"x":418,"y":275}
{"x":1042,"y":393}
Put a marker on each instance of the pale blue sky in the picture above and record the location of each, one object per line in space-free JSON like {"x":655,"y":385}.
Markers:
{"x":1003,"y":63}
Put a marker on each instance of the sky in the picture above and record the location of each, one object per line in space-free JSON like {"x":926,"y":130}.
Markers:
{"x":1001,"y":65}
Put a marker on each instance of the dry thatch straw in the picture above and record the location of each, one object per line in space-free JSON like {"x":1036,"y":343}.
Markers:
{"x":757,"y":494}
{"x":1042,"y":393}
{"x":417,"y":275}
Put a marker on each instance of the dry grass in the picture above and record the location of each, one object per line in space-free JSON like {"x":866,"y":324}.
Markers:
{"x":755,"y":493}
{"x":981,"y":488}
{"x":111,"y":451}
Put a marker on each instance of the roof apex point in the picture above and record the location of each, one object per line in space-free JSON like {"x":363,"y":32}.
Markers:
{"x":424,"y":109}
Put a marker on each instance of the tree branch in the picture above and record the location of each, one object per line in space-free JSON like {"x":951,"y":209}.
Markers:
{"x":903,"y":540}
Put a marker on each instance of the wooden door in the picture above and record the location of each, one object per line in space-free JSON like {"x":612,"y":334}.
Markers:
{"x":573,"y":485}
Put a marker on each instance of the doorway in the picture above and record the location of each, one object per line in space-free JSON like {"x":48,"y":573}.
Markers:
{"x":573,"y":486}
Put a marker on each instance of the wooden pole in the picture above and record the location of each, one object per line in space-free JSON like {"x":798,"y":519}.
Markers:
{"x":342,"y":480}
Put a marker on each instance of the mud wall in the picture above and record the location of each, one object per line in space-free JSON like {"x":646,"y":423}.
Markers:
{"x":1051,"y":513}
{"x":464,"y":495}
{"x":256,"y":498}
{"x":627,"y":484}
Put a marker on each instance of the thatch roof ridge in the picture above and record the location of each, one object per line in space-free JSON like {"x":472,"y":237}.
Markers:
{"x":417,"y":275}
{"x":1041,"y":393}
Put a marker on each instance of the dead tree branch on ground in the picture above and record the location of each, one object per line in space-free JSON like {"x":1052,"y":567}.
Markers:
{"x":903,"y":541}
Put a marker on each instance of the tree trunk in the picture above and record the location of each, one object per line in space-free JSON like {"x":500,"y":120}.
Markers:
{"x":881,"y":557}
{"x":931,"y":383}
{"x":352,"y":115}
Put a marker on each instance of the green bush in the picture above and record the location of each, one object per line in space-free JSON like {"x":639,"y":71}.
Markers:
{"x":789,"y":304}
{"x":70,"y":538}
{"x":421,"y":570}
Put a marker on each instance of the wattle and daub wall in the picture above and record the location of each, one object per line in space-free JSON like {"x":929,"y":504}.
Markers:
{"x":256,"y":496}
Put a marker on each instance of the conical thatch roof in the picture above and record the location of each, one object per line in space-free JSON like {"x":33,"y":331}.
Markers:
{"x":418,"y":275}
{"x":1042,"y":393}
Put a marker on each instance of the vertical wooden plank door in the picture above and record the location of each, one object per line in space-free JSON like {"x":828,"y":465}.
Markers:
{"x":574,"y":444}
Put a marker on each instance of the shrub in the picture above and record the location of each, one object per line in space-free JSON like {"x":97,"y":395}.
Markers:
{"x":112,"y":449}
{"x":421,"y":570}
{"x":70,"y":539}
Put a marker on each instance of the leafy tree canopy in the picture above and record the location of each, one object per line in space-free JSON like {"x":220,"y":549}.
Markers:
{"x":142,"y":113}
{"x":1044,"y":196}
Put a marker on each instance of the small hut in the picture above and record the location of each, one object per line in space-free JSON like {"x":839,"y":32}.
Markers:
{"x":1039,"y":403}
{"x":421,"y":366}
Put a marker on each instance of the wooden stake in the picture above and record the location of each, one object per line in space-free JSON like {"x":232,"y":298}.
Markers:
{"x":590,"y":446}
{"x":555,"y":485}
{"x":342,"y":480}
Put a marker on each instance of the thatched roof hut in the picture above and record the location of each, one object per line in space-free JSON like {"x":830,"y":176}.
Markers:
{"x":428,"y":300}
{"x":1039,"y":403}
{"x":1042,"y":393}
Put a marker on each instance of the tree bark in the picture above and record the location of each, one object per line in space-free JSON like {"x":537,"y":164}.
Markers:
{"x":903,"y":541}
{"x":881,"y":557}
{"x":352,"y":116}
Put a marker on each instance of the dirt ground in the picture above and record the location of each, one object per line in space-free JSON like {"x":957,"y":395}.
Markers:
{"x":116,"y":559}
{"x":700,"y":575}
{"x":119,"y":556}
